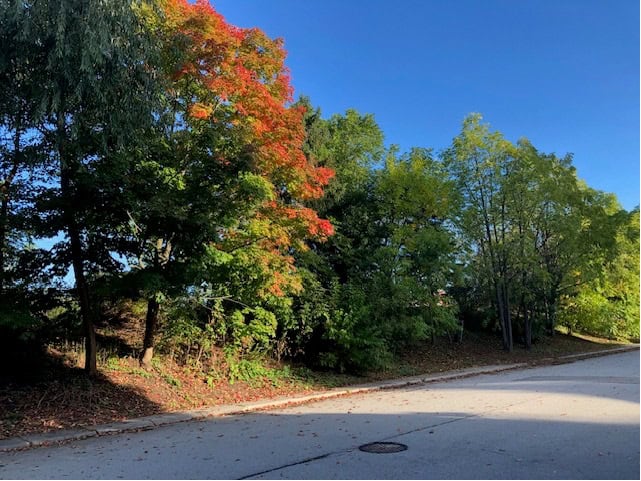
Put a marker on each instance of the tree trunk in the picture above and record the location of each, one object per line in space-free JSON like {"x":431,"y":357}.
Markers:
{"x":85,"y":305}
{"x":508,"y":319}
{"x":551,"y":304}
{"x":82,"y":287}
{"x":527,"y":323}
{"x":499,"y":305}
{"x":550,"y":310}
{"x":546,"y":313}
{"x":151,"y":325}
{"x":552,"y":318}
{"x":3,"y":236}
{"x":70,"y":200}
{"x":528,"y":329}
{"x":504,"y":316}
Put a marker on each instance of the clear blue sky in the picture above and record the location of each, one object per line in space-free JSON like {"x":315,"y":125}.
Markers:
{"x":563,"y":73}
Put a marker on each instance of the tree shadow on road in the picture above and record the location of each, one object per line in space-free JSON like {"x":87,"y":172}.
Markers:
{"x":308,"y":442}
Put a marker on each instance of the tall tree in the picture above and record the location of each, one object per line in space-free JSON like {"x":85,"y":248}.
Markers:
{"x":19,"y":155}
{"x":92,"y":94}
{"x":535,"y":230}
{"x":226,"y":173}
{"x":352,"y":146}
{"x":574,"y":230}
{"x":481,"y":163}
{"x":379,"y":283}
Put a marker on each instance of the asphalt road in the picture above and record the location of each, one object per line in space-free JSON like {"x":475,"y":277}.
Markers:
{"x":578,"y":420}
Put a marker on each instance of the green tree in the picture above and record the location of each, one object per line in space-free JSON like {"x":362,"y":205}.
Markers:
{"x":534,"y":232}
{"x":379,"y":284}
{"x":21,"y":160}
{"x":414,"y":261}
{"x":218,"y":195}
{"x":607,"y":304}
{"x":481,"y":163}
{"x":575,"y":229}
{"x":91,"y":89}
{"x":352,"y":146}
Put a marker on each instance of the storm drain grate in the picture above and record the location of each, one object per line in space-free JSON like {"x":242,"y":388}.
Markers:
{"x":381,"y":448}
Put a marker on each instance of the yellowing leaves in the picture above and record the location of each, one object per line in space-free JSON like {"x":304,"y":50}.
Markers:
{"x":200,"y":111}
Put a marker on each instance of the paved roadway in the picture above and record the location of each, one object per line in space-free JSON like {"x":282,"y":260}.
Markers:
{"x":578,"y":420}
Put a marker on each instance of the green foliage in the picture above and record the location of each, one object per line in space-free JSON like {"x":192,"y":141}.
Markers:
{"x":301,"y":321}
{"x":253,"y":370}
{"x":181,"y":190}
{"x":186,"y":335}
{"x":608,"y":305}
{"x":356,"y":338}
{"x":82,"y":84}
{"x":373,"y":288}
{"x":171,"y":380}
{"x":19,"y":320}
{"x":588,"y":312}
{"x":533,"y":233}
{"x":250,"y":329}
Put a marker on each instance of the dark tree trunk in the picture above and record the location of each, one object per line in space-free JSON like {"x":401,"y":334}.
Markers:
{"x":499,"y":305}
{"x":550,"y":311}
{"x":70,"y":200}
{"x":508,"y":319}
{"x":553,"y":305}
{"x":504,"y":316}
{"x":546,"y":314}
{"x":151,"y":326}
{"x":527,"y":323}
{"x":82,"y":287}
{"x":3,"y":236}
{"x":528,"y":328}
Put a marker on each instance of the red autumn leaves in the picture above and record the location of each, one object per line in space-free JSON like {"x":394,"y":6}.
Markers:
{"x":242,"y":82}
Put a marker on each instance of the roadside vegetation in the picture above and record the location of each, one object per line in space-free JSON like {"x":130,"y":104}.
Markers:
{"x":60,"y":396}
{"x":177,"y":226}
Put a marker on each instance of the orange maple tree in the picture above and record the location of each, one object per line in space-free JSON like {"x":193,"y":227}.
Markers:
{"x":237,"y":80}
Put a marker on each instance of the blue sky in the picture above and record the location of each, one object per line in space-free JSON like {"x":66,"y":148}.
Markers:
{"x":563,"y":73}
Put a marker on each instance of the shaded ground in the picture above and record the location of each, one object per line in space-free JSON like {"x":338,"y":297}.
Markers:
{"x":61,"y":397}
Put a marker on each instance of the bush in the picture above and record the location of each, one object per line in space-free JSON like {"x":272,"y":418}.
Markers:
{"x":590,"y":312}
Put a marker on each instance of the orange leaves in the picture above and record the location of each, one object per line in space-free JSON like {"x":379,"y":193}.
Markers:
{"x":200,"y":111}
{"x":277,"y":287}
{"x":236,"y":79}
{"x":324,"y":175}
{"x":301,"y":222}
{"x":325,"y":227}
{"x":245,"y":69}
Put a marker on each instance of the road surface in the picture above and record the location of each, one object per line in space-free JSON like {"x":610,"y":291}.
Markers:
{"x":578,"y":420}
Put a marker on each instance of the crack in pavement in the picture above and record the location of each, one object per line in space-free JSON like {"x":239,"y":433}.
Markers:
{"x":351,"y":449}
{"x":308,"y":460}
{"x":398,"y":435}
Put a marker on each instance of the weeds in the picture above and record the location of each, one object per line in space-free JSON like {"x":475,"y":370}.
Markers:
{"x":171,"y":380}
{"x":255,"y":372}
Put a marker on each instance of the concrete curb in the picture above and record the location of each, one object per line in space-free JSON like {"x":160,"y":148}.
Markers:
{"x":157,"y":420}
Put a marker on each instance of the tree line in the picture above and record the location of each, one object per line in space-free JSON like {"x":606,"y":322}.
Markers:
{"x":154,"y":162}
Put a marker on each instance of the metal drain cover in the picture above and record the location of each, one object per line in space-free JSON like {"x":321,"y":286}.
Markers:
{"x":381,"y":448}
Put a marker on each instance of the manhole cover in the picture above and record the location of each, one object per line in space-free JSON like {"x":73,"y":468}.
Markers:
{"x":381,"y":448}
